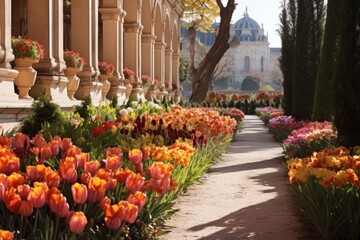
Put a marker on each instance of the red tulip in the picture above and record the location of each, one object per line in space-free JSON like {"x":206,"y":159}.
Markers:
{"x":77,"y":222}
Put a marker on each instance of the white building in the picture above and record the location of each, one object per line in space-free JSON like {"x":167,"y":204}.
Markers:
{"x":253,"y":57}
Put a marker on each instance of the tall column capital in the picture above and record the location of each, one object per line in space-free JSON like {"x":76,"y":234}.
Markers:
{"x":111,"y":14}
{"x":175,"y":55}
{"x":160,"y":45}
{"x":168,"y":51}
{"x":133,"y":27}
{"x":148,"y":38}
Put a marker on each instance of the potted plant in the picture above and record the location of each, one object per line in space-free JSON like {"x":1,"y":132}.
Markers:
{"x":74,"y":64}
{"x":26,"y":52}
{"x":106,"y":71}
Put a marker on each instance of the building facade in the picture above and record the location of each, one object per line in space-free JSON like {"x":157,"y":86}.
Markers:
{"x":142,"y":35}
{"x":252,"y":58}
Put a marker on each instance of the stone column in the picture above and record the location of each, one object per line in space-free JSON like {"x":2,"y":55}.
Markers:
{"x":175,"y":75}
{"x":147,"y":54}
{"x":48,"y":31}
{"x":168,"y":65}
{"x":112,"y":19}
{"x":160,"y":61}
{"x":7,"y":75}
{"x":160,"y":68}
{"x":132,"y":51}
{"x":84,"y":25}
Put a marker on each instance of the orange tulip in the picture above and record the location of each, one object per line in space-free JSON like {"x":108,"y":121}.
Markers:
{"x":37,"y":196}
{"x":54,"y":146}
{"x":6,"y":235}
{"x":58,"y":204}
{"x":92,"y":167}
{"x":32,"y":173}
{"x":4,"y":141}
{"x":115,"y":151}
{"x":15,"y":179}
{"x":131,"y":213}
{"x":81,"y":159}
{"x":104,"y":203}
{"x":96,"y":189}
{"x":112,"y":163}
{"x":77,"y":222}
{"x":114,"y":215}
{"x":79,"y":193}
{"x":52,"y":178}
{"x":134,"y":182}
{"x":145,"y":153}
{"x":138,"y":198}
{"x":9,"y":163}
{"x":135,"y":156}
{"x":45,"y":153}
{"x":3,"y":185}
{"x":73,"y":151}
{"x":162,"y":185}
{"x":121,"y":174}
{"x":67,"y":170}
{"x":159,"y":170}
{"x":66,"y":144}
{"x":106,"y":175}
{"x":85,"y":178}
{"x":12,"y":200}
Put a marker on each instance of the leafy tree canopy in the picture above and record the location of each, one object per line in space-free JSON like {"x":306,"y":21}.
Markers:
{"x":200,"y":14}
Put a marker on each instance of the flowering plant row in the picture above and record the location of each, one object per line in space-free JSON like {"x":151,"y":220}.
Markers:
{"x":326,"y":185}
{"x":23,"y":48}
{"x":110,"y":174}
{"x":313,"y":136}
{"x":73,"y":59}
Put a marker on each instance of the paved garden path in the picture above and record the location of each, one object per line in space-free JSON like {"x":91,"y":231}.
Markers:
{"x":243,"y":197}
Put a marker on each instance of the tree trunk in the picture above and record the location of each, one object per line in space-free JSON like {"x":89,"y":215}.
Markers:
{"x":201,"y":76}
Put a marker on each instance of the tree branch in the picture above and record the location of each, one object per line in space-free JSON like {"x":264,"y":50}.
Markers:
{"x":220,"y":4}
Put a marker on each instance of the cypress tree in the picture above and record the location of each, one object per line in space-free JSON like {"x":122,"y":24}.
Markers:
{"x":324,"y":92}
{"x":307,"y":54}
{"x":287,"y":34}
{"x":347,"y":76}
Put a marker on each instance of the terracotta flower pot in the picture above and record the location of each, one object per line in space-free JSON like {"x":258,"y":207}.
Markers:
{"x":26,"y":77}
{"x":106,"y":86}
{"x":70,"y":73}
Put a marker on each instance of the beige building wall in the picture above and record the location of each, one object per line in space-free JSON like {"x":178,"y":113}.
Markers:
{"x":142,"y":35}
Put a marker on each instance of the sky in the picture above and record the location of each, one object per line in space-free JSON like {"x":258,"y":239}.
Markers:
{"x":262,"y":11}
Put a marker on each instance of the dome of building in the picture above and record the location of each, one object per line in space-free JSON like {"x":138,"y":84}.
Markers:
{"x":247,"y":29}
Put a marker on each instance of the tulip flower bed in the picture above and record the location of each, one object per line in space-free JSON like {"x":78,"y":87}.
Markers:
{"x":267,"y":113}
{"x":326,"y":185}
{"x":282,"y":126}
{"x":113,"y":174}
{"x":313,"y":136}
{"x":246,"y":102}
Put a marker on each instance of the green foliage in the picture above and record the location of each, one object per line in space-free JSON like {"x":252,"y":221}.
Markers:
{"x":324,"y":93}
{"x":250,"y":83}
{"x":347,"y":76}
{"x":307,"y":54}
{"x":86,"y":109}
{"x":287,"y":34}
{"x":334,"y":212}
{"x":43,"y":111}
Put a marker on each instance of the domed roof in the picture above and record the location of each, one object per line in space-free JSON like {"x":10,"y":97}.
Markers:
{"x":247,"y":29}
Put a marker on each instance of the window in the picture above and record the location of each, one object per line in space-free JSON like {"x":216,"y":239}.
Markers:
{"x":262,"y":63}
{"x":247,"y":63}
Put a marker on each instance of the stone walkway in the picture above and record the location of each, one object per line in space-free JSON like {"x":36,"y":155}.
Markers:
{"x":243,"y":197}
